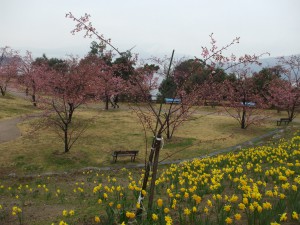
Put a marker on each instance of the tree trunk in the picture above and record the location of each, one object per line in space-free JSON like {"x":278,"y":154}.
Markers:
{"x":106,"y":102}
{"x":291,"y":113}
{"x":168,"y":128}
{"x":154,"y":173}
{"x":33,"y":93}
{"x":243,"y":122}
{"x":2,"y":91}
{"x":34,"y":100}
{"x":153,"y":154}
{"x":66,"y":139}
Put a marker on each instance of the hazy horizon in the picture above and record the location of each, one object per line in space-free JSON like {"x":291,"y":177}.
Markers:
{"x":153,"y":27}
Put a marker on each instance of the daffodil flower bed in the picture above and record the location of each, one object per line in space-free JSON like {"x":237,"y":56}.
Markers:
{"x":256,"y":186}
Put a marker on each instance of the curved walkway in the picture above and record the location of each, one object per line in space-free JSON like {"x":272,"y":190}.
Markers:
{"x":9,"y":129}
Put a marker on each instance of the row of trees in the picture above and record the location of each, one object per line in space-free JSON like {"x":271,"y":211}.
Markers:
{"x":59,"y":86}
{"x":72,"y":82}
{"x":242,"y":93}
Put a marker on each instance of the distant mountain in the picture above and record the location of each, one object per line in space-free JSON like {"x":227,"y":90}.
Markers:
{"x":6,"y":60}
{"x":266,"y":62}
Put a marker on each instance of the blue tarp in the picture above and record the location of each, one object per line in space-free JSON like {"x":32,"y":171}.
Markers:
{"x":173,"y":100}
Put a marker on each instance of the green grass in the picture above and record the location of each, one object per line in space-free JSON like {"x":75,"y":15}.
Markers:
{"x":42,"y":151}
{"x":12,"y":106}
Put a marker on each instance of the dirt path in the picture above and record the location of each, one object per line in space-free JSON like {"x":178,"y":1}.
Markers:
{"x":9,"y":129}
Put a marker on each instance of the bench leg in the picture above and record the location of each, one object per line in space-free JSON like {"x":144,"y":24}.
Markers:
{"x":132,"y":158}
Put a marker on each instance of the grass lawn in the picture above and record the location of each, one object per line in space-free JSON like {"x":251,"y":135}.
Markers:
{"x":42,"y":151}
{"x":12,"y":106}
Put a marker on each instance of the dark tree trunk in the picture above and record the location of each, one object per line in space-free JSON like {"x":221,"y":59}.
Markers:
{"x":33,"y":93}
{"x":154,"y":172}
{"x":106,"y":102}
{"x":291,"y":117}
{"x":154,"y":153}
{"x":67,"y":123}
{"x":168,"y":129}
{"x":66,"y":139}
{"x":2,"y":91}
{"x":243,"y":122}
{"x":34,"y":100}
{"x":291,"y":113}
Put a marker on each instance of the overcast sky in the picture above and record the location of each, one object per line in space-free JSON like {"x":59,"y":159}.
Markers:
{"x":155,"y":27}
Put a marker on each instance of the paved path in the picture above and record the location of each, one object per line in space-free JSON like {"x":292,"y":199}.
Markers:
{"x":9,"y":129}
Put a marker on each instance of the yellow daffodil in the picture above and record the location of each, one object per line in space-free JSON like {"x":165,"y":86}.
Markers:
{"x":154,"y":216}
{"x":283,"y":217}
{"x":186,"y":211}
{"x":228,"y":220}
{"x":97,"y":219}
{"x":237,"y":216}
{"x":227,"y":208}
{"x":295,"y":216}
{"x":65,"y":213}
{"x":159,"y":202}
{"x":166,"y":210}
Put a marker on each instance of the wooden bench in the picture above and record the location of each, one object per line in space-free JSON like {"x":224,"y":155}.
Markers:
{"x":286,"y":121}
{"x":132,"y":154}
{"x":212,"y":104}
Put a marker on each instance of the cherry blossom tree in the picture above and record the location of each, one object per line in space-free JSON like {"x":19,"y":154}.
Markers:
{"x":158,"y":119}
{"x":291,"y":69}
{"x":31,"y":76}
{"x":62,"y":92}
{"x":9,"y":62}
{"x":284,"y":96}
{"x":62,"y":87}
{"x":243,"y":102}
{"x":108,"y":83}
{"x":284,"y":93}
